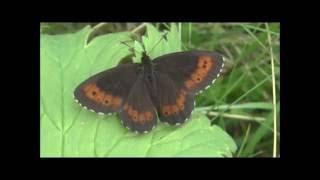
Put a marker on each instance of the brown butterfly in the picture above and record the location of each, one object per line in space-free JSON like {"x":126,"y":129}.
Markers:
{"x":164,"y":87}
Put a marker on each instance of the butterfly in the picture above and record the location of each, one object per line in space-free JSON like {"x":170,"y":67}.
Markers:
{"x":164,"y":87}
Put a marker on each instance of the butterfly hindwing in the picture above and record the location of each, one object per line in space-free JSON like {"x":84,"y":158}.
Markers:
{"x":105,"y":92}
{"x":138,"y":112}
{"x":194,"y":69}
{"x":175,"y":104}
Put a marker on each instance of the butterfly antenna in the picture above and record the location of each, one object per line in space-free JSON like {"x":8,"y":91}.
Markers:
{"x":130,"y":47}
{"x":163,"y":37}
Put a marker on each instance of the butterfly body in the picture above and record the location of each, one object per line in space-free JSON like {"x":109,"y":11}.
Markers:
{"x":164,"y":87}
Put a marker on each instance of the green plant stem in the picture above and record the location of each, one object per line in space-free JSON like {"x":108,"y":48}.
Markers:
{"x":141,"y":26}
{"x":253,"y":36}
{"x":98,"y":26}
{"x":244,"y":95}
{"x":256,"y":154}
{"x":274,"y":96}
{"x":244,"y":140}
{"x":237,"y":116}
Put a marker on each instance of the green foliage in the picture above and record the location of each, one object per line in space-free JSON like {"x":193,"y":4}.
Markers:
{"x":245,"y":88}
{"x":69,"y":131}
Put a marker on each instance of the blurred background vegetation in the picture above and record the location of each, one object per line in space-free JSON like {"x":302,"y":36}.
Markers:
{"x":241,"y":100}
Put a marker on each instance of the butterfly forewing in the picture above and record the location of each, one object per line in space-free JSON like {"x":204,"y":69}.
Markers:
{"x":194,"y":69}
{"x":106,"y":92}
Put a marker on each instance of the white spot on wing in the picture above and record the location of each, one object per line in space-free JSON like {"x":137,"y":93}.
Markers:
{"x":101,"y":113}
{"x":222,"y":65}
{"x":136,"y":132}
{"x":153,"y":127}
{"x":220,"y":70}
{"x":145,"y":132}
{"x":91,"y":110}
{"x":223,"y":61}
{"x":85,"y":107}
{"x":177,"y":124}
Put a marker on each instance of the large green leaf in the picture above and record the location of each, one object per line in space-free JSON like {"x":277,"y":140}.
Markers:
{"x":67,"y":130}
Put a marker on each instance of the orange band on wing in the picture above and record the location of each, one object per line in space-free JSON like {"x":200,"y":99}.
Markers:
{"x":174,"y":109}
{"x":205,"y":64}
{"x":107,"y":99}
{"x":136,"y":116}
